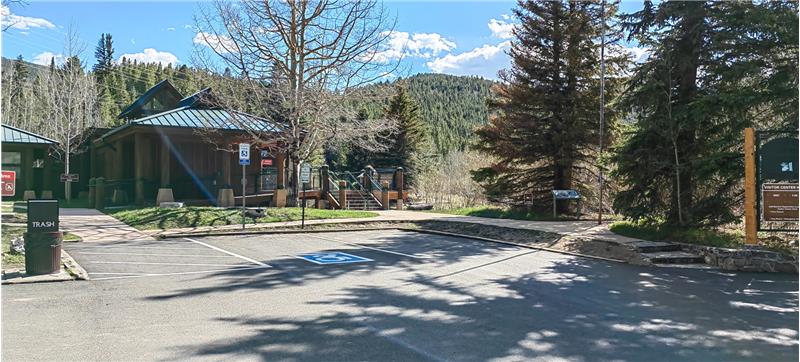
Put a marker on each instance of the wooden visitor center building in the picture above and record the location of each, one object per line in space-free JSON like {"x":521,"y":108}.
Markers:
{"x":176,"y":148}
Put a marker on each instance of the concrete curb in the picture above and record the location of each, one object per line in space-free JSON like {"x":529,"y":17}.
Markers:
{"x":303,"y":231}
{"x":72,"y":267}
{"x":267,"y":232}
{"x":165,"y":233}
{"x":514,"y":244}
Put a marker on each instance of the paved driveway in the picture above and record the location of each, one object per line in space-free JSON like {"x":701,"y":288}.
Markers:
{"x":414,"y":297}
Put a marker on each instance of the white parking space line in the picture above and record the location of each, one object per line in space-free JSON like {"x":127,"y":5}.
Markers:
{"x":179,"y":273}
{"x":367,"y":247}
{"x":150,"y":263}
{"x":105,"y":273}
{"x":143,"y":254}
{"x":229,"y":253}
{"x":133,"y":247}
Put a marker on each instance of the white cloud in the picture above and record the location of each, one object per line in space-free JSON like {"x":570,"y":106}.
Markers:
{"x":45,"y":58}
{"x":170,"y":29}
{"x":133,"y":41}
{"x":151,"y":55}
{"x":506,"y":16}
{"x":22,"y":22}
{"x":501,"y":29}
{"x":484,"y":61}
{"x":638,"y":54}
{"x":220,"y":43}
{"x":424,"y":45}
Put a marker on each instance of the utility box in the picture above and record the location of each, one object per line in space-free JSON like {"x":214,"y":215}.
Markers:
{"x":567,"y":195}
{"x":43,"y":239}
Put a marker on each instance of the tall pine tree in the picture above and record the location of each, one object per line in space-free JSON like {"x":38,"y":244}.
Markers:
{"x":714,"y":69}
{"x":104,"y":54}
{"x":411,"y":148}
{"x":544,"y":127}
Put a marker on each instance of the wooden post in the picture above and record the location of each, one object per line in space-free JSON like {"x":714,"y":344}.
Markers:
{"x":400,"y":187}
{"x":385,"y":195}
{"x":750,"y":215}
{"x":343,"y":194}
{"x":226,"y":169}
{"x":325,"y":187}
{"x":139,"y":148}
{"x":119,"y":160}
{"x":280,"y":164}
{"x":165,"y":166}
{"x":100,"y":193}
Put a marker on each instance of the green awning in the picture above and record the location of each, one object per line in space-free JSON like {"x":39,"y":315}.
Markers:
{"x":16,"y":135}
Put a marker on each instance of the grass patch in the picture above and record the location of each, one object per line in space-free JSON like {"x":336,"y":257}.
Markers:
{"x":11,"y":260}
{"x":501,"y":213}
{"x":707,"y":237}
{"x":71,"y":237}
{"x":150,"y":218}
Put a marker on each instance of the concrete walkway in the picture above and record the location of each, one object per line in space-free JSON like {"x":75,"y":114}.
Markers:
{"x":92,"y":226}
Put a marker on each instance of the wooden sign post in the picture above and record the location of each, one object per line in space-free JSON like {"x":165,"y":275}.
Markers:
{"x":750,"y":214}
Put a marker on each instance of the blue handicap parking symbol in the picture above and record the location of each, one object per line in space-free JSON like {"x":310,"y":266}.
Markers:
{"x":337,"y":257}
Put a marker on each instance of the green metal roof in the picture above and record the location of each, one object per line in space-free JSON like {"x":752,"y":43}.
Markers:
{"x":16,"y":135}
{"x":186,"y":117}
{"x":136,"y":107}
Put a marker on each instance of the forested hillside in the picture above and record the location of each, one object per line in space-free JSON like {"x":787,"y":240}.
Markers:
{"x":450,"y":105}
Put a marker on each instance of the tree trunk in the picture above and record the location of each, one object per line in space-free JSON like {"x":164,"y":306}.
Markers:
{"x":67,"y":185}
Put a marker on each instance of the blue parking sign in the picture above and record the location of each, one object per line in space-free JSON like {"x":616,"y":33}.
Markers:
{"x":336,"y":257}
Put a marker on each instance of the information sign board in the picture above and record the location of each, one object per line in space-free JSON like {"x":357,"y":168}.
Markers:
{"x":780,"y":201}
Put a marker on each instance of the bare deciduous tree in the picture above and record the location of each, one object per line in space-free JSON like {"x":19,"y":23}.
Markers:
{"x":67,"y":100}
{"x":297,"y":63}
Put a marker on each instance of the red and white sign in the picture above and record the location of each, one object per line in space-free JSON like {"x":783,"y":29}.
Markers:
{"x":266,"y":162}
{"x":8,"y":183}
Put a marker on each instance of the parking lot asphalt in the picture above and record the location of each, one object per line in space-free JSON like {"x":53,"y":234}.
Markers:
{"x":390,"y":296}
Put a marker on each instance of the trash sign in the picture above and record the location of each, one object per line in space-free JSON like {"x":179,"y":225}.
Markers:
{"x":42,"y":216}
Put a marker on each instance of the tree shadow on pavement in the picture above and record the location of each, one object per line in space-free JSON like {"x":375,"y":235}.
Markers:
{"x":569,"y":308}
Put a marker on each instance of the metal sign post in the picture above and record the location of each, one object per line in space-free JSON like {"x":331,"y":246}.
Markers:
{"x":244,"y":160}
{"x":305,"y":178}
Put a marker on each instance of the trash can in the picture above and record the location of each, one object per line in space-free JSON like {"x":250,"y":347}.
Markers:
{"x":43,"y":252}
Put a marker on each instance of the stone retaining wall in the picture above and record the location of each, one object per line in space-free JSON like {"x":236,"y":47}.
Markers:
{"x":746,"y":259}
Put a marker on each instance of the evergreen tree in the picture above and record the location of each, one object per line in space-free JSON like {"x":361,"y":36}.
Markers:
{"x":715,"y":68}
{"x":104,"y":54}
{"x":411,"y":146}
{"x":544,"y":128}
{"x":73,"y":64}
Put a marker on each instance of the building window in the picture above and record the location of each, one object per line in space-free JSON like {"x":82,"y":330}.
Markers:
{"x":12,"y":161}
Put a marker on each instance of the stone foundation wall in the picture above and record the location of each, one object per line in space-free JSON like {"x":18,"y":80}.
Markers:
{"x":751,"y":259}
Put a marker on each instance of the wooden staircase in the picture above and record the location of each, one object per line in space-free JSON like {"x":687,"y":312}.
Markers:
{"x":359,"y":200}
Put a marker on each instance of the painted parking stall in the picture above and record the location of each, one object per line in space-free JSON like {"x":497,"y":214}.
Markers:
{"x":149,"y":258}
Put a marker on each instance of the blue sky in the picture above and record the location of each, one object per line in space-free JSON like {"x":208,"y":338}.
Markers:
{"x":462,"y":38}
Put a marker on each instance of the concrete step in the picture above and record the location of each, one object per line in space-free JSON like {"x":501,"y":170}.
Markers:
{"x":656,"y":246}
{"x":674,"y":257}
